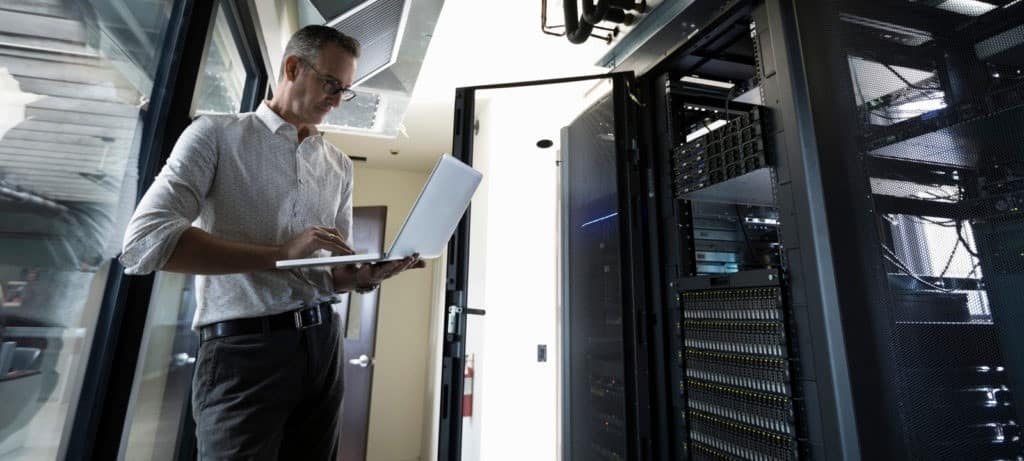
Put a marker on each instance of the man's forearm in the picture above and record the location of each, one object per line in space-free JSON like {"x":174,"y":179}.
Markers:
{"x":199,"y":252}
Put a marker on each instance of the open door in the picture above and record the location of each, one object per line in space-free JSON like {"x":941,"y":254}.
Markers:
{"x":576,"y":272}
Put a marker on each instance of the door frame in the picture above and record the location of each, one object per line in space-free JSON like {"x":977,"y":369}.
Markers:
{"x":631,"y":175}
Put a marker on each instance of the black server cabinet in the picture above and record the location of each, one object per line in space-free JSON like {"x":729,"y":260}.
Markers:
{"x":917,"y":110}
{"x":749,"y":356}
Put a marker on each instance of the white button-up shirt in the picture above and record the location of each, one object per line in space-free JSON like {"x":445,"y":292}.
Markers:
{"x":244,"y":178}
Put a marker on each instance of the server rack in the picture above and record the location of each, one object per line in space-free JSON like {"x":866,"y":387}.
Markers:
{"x":891,"y":133}
{"x":734,"y":203}
{"x":929,"y":101}
{"x":882,"y":192}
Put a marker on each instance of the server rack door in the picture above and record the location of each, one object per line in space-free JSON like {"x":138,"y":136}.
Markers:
{"x":918,"y":110}
{"x":588,"y":252}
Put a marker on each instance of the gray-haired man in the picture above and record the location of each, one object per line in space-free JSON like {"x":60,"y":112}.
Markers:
{"x":260,"y":187}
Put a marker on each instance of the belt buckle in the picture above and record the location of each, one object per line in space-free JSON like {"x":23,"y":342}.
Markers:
{"x":303,"y":322}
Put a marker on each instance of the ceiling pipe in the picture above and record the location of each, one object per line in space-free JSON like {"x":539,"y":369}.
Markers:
{"x":628,"y":5}
{"x":619,"y":16}
{"x":578,"y":30}
{"x":574,"y":30}
{"x":594,"y":14}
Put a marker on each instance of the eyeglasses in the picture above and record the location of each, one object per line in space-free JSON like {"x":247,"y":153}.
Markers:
{"x":330,"y":85}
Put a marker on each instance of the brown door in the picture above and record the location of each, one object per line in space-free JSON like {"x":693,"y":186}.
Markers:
{"x":360,"y":312}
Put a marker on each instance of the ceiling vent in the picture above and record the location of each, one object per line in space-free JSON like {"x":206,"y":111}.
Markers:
{"x":394,"y":35}
{"x":378,"y":25}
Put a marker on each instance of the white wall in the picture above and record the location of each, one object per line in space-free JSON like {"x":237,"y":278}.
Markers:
{"x":516,"y":396}
{"x":278,"y":20}
{"x":399,"y":396}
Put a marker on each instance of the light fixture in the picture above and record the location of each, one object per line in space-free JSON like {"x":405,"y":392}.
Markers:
{"x":707,"y":82}
{"x":925,"y":105}
{"x":966,"y":7}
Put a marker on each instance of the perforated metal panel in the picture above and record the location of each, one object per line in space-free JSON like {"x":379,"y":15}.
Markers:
{"x":596,"y":376}
{"x":378,"y":26}
{"x":939,"y":125}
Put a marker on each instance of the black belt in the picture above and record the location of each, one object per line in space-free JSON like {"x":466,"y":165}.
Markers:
{"x":300,"y":319}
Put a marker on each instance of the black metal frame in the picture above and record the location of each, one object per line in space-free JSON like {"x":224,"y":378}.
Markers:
{"x":807,"y":182}
{"x":632,"y":205}
{"x":665,"y":244}
{"x":102,"y":410}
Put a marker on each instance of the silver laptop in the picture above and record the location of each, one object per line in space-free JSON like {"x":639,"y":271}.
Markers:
{"x":430,"y":223}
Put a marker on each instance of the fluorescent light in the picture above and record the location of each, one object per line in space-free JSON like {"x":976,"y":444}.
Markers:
{"x":704,"y":130}
{"x":966,"y":7}
{"x":707,"y":82}
{"x":924,"y":105}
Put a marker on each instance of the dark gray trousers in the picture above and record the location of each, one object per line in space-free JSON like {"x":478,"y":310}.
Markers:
{"x":270,"y":396}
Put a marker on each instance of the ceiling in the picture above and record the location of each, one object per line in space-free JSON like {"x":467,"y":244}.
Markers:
{"x":475,"y":42}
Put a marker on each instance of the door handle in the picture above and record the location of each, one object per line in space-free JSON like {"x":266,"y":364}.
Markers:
{"x":362,"y":361}
{"x":181,"y":359}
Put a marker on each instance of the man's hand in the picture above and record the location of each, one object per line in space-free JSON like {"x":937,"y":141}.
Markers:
{"x":373,"y":274}
{"x":313,"y":239}
{"x":367,"y":277}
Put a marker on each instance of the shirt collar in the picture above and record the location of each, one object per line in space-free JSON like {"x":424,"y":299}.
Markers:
{"x":274,"y":122}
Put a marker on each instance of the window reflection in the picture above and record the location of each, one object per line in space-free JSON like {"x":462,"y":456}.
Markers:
{"x":73,"y":76}
{"x":222,"y":76}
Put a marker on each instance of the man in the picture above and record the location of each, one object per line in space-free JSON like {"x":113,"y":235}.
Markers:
{"x":261,"y":187}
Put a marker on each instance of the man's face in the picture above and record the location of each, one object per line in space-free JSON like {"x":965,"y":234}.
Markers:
{"x":334,"y":67}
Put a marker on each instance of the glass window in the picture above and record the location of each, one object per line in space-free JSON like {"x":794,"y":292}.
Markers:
{"x":222,"y":76}
{"x":163,"y":379}
{"x":73,"y":81}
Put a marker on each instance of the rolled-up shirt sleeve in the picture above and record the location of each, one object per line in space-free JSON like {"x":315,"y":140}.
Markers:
{"x":174,"y":200}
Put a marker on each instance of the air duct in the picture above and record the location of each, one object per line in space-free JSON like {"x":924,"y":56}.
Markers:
{"x":394,"y":35}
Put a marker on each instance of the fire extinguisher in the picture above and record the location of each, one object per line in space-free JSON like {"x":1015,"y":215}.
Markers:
{"x":467,"y":389}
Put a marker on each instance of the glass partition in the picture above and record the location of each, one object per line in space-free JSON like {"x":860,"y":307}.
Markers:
{"x":74,"y":80}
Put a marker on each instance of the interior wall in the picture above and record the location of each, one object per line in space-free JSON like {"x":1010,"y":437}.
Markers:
{"x":516,"y":393}
{"x":278,"y":20}
{"x":399,"y":392}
